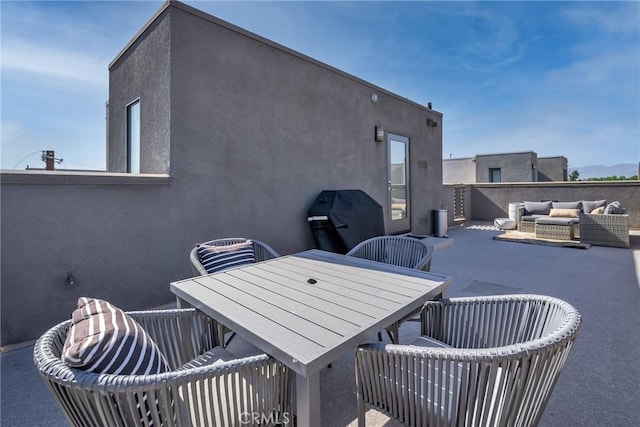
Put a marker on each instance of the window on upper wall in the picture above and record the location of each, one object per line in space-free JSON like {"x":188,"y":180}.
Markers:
{"x":133,"y":137}
{"x":495,"y":175}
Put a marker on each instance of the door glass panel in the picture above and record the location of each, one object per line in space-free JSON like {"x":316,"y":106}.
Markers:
{"x":133,"y":137}
{"x":399,"y":183}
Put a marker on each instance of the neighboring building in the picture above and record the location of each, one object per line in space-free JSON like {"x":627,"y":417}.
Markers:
{"x":504,"y":167}
{"x":552,"y":168}
{"x":461,"y":170}
{"x":251,"y":131}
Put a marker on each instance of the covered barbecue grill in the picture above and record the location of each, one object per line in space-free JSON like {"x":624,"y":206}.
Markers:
{"x":340,"y":219}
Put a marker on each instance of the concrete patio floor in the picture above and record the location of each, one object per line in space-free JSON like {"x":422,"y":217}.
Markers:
{"x":599,"y":385}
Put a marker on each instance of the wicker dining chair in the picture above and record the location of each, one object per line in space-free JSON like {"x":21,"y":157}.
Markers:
{"x":480,"y":361}
{"x":194,"y":393}
{"x":261,"y":252}
{"x":402,"y":251}
{"x":396,"y":250}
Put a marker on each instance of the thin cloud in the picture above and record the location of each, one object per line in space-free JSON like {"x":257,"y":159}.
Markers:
{"x":611,"y":73}
{"x":552,"y":128}
{"x":617,"y":18}
{"x":25,"y":57}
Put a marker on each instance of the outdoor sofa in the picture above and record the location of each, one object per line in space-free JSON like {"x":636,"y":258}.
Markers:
{"x":605,"y":230}
{"x":594,"y":222}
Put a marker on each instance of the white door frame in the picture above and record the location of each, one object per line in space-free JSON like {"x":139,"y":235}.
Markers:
{"x":399,"y":201}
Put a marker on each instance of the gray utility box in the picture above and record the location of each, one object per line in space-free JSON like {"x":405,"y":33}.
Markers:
{"x":440,"y":223}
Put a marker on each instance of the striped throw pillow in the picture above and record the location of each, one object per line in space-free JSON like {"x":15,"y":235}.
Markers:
{"x":104,"y":339}
{"x":218,"y":258}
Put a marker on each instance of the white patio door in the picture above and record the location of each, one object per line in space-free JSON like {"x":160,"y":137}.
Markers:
{"x":399,"y":203}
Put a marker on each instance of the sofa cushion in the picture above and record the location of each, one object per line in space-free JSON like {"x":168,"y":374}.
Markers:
{"x":218,"y":258}
{"x":537,"y":208}
{"x":566,"y":205}
{"x":614,"y":208}
{"x":531,"y":218}
{"x":567,"y":213}
{"x":598,"y":211}
{"x":589,"y":206}
{"x":547,"y":220}
{"x":105,"y":339}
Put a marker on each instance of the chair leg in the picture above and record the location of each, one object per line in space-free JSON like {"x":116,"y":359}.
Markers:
{"x":394,"y":333}
{"x":233,"y":334}
{"x":390,"y":337}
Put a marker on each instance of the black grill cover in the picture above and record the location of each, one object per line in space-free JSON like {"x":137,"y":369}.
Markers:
{"x":340,"y":219}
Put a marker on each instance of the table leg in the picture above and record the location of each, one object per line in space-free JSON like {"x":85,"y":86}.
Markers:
{"x":180,"y":303}
{"x":308,"y":400}
{"x":184,"y":331}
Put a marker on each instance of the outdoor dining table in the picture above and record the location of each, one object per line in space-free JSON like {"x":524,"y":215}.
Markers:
{"x":309,"y":308}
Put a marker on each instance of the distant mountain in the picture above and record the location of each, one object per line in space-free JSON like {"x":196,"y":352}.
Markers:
{"x":600,"y":171}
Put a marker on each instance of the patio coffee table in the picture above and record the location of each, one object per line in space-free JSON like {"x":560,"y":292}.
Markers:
{"x":308,"y":309}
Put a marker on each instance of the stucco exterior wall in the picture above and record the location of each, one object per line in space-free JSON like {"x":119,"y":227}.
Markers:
{"x":552,"y":169}
{"x":247,"y":134}
{"x":459,"y":171}
{"x":142,"y":72}
{"x":514,"y":167}
{"x":118,"y":235}
{"x":258,"y":130}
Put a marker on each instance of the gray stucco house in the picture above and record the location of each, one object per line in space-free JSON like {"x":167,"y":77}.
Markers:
{"x":552,"y":168}
{"x":212,"y":132}
{"x":251,"y":131}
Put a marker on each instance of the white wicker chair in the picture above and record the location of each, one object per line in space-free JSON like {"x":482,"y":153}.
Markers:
{"x":217,"y":395}
{"x":397,"y":250}
{"x":262,"y":252}
{"x":505,"y":355}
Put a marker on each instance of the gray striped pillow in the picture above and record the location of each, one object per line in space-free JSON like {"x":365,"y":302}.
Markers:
{"x":218,"y":258}
{"x":104,"y":339}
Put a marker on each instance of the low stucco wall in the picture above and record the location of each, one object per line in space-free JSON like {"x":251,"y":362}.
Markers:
{"x":122,"y":237}
{"x":117,"y":234}
{"x":489,"y":201}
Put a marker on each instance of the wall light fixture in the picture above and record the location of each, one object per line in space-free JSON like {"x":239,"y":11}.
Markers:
{"x":379,"y":134}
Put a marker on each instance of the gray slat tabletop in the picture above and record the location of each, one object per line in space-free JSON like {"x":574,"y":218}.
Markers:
{"x":307,"y":309}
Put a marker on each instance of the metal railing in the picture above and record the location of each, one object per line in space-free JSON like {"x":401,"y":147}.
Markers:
{"x":458,"y":202}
